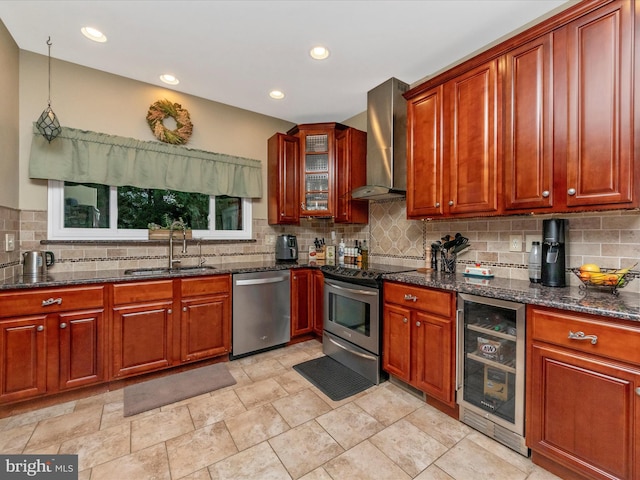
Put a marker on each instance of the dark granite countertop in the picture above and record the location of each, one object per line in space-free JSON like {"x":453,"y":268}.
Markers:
{"x":595,"y":301}
{"x":600,"y":302}
{"x":64,"y":279}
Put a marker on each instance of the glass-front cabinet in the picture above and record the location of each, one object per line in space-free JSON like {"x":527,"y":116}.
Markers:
{"x":312,"y":171}
{"x":316,"y":173}
{"x":318,"y":165}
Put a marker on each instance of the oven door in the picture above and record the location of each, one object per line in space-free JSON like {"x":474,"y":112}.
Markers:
{"x":352,"y":312}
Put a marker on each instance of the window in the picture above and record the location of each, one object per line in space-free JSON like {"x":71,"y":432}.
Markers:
{"x":92,"y":211}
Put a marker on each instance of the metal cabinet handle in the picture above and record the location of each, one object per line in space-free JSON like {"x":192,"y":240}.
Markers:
{"x":451,"y":203}
{"x":184,"y":309}
{"x":582,"y":336}
{"x":40,"y":328}
{"x":437,"y":204}
{"x":638,"y":391}
{"x":418,"y":324}
{"x":51,"y":301}
{"x":63,"y":325}
{"x":408,"y":296}
{"x":169,"y":311}
{"x":571,"y":191}
{"x":545,"y":194}
{"x":404,"y":320}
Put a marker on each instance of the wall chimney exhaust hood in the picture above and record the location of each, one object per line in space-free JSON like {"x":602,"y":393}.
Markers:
{"x":386,"y":143}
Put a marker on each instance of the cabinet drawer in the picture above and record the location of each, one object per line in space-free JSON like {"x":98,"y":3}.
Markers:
{"x":614,"y":340}
{"x":46,"y":300}
{"x":429,"y":300}
{"x":204,"y":286}
{"x":142,"y":291}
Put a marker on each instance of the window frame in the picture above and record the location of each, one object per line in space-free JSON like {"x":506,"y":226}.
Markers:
{"x":57,"y":231}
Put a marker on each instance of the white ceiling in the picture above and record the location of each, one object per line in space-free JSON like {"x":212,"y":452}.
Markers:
{"x":235,"y":52}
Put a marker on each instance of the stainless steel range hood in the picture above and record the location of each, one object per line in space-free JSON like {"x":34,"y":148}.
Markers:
{"x":386,"y":143}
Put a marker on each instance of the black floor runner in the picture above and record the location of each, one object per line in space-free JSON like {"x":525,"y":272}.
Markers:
{"x":334,"y":379}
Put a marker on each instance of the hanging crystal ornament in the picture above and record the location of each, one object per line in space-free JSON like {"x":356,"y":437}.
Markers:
{"x":48,"y":124}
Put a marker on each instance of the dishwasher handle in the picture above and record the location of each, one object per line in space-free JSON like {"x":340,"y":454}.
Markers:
{"x":261,"y":281}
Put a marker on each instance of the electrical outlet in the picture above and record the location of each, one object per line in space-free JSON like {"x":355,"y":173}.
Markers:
{"x":530,"y":239}
{"x":515,"y":243}
{"x":9,"y":242}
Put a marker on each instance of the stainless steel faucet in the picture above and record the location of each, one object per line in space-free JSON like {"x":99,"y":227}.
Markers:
{"x":180,"y":224}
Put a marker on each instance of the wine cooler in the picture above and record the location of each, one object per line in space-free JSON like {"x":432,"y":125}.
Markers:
{"x":491,"y":365}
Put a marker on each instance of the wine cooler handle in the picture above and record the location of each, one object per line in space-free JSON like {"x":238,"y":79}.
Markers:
{"x":459,"y":336}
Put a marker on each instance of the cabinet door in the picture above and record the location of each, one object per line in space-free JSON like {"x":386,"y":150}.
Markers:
{"x":598,"y":58}
{"x":318,"y":302}
{"x":205,"y":327}
{"x":283,"y":166}
{"x":583,"y":412}
{"x":433,"y":356}
{"x":472,"y":126}
{"x":424,"y":159}
{"x":351,"y":145}
{"x":23,"y":361}
{"x":80,"y":348}
{"x":301,"y":301}
{"x":317,"y":180}
{"x":528,"y":142}
{"x":142,"y":338}
{"x":396,"y":341}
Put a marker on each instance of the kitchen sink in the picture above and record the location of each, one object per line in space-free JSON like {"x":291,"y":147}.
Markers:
{"x":164,"y":270}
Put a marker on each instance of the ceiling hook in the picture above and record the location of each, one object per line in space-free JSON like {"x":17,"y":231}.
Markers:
{"x":49,"y":41}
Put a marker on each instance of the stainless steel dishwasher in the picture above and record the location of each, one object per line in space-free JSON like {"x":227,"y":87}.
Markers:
{"x":261,"y":311}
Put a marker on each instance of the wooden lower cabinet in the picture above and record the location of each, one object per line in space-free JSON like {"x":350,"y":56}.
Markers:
{"x":81,"y":348}
{"x":50,"y":340}
{"x":418,"y":342}
{"x":583,"y":398}
{"x":205,"y":317}
{"x":307,"y":300}
{"x":23,"y":365}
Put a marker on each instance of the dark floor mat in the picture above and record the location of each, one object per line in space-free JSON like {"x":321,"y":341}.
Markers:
{"x":334,"y":379}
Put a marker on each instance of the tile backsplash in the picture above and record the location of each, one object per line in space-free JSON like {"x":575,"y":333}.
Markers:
{"x":610,"y":239}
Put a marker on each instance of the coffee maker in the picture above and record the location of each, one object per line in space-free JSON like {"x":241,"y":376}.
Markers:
{"x":553,"y":253}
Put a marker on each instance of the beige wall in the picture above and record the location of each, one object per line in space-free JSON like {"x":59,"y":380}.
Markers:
{"x":9,"y":114}
{"x":89,"y":99}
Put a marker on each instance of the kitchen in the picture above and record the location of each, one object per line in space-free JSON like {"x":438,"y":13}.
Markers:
{"x":609,"y":239}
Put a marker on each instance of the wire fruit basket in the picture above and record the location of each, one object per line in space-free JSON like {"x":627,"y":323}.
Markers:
{"x":606,"y":279}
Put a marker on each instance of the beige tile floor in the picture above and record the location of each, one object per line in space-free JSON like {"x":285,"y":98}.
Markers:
{"x":272,"y":424}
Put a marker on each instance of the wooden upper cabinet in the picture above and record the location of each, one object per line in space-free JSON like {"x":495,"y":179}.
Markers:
{"x":528,"y":126}
{"x":283,"y":179}
{"x":543,"y":122}
{"x":594,"y":59}
{"x":317,"y":169}
{"x":424,"y":159}
{"x":351,"y":152}
{"x":471,"y":140}
{"x":312,"y":171}
{"x":452,"y":142}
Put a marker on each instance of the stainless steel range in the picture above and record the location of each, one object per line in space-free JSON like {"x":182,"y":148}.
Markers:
{"x":353,"y":316}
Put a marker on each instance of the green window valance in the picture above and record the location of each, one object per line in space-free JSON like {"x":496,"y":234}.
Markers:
{"x":90,"y":157}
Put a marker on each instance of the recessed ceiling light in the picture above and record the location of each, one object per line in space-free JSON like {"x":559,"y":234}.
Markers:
{"x":169,"y":79}
{"x":319,"y":53}
{"x":93,"y":34}
{"x":277,"y":94}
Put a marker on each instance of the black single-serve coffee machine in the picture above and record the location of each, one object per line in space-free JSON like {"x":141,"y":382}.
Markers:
{"x":553,"y":253}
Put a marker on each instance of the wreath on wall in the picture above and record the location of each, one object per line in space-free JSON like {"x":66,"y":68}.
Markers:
{"x":162,"y":109}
